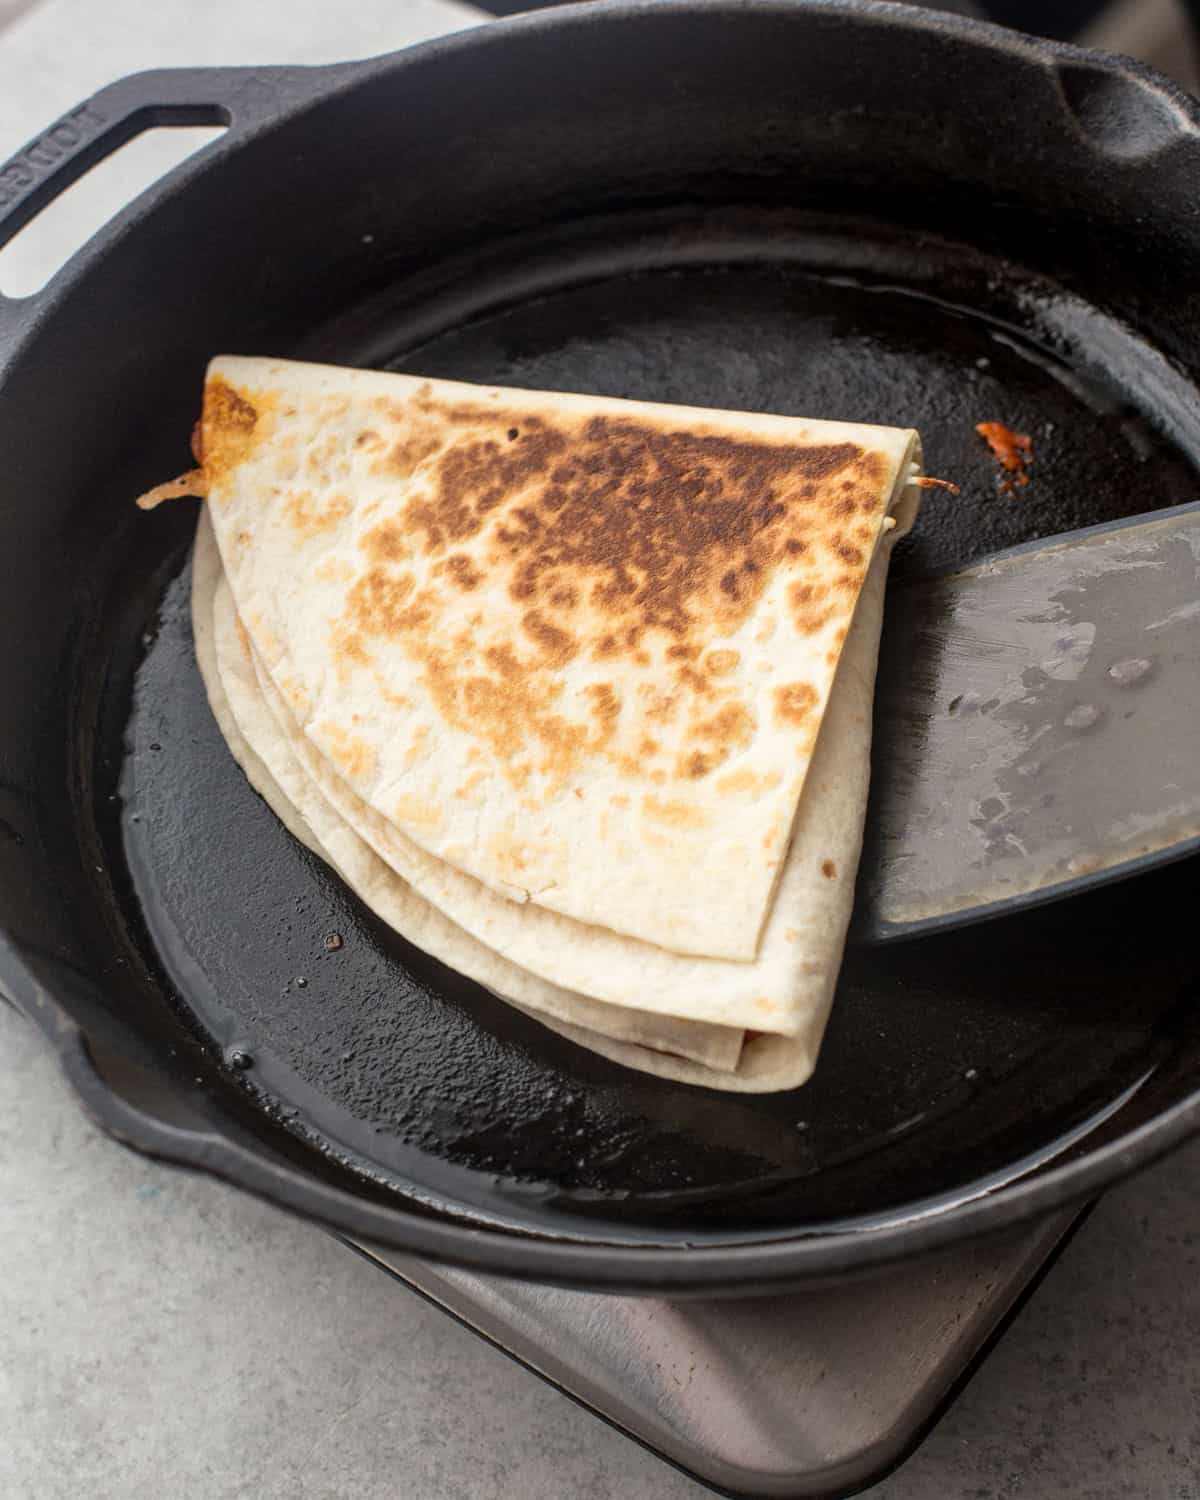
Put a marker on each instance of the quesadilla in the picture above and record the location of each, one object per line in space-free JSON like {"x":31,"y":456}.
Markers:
{"x":651,"y":640}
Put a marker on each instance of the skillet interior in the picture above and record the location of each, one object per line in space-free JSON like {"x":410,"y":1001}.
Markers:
{"x":947,"y":1061}
{"x":155,"y":899}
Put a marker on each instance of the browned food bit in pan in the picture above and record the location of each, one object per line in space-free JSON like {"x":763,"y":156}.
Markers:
{"x":1013,"y":451}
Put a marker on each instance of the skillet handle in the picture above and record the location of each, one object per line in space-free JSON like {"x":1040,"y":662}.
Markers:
{"x":240,"y":99}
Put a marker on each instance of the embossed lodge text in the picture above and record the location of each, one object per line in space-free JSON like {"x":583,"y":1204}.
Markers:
{"x":23,"y":171}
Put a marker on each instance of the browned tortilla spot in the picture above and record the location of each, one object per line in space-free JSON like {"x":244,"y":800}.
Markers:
{"x":731,"y":727}
{"x":721,"y":663}
{"x":810,"y":611}
{"x":308,"y":519}
{"x":557,"y":646}
{"x":606,"y":704}
{"x":378,"y":604}
{"x":794,"y":701}
{"x":696,"y":765}
{"x":348,"y":649}
{"x":385,"y":543}
{"x":355,"y":757}
{"x":676,"y":814}
{"x":234,"y":423}
{"x":463,"y":572}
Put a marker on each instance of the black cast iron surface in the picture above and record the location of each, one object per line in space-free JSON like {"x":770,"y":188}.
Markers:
{"x":941,"y":1065}
{"x":691,"y":243}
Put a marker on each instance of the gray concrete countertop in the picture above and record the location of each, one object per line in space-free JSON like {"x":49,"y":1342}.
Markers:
{"x":162,"y":1335}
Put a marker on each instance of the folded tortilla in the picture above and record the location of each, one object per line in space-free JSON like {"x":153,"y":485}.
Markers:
{"x":687,"y":1051}
{"x":752,"y":1023}
{"x":577,"y":649}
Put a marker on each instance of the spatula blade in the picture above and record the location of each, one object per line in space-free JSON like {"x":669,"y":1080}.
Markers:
{"x":1037,"y":726}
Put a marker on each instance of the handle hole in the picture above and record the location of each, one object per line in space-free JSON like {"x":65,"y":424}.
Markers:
{"x":40,"y":249}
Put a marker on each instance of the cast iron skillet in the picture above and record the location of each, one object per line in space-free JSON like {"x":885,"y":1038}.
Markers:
{"x":847,"y":209}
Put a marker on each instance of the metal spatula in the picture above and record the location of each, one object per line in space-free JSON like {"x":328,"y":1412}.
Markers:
{"x":1037,"y":726}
